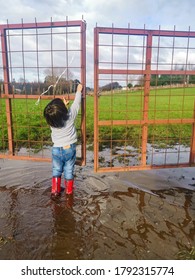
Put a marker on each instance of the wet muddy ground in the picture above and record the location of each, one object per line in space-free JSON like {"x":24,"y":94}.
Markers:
{"x":128,"y":215}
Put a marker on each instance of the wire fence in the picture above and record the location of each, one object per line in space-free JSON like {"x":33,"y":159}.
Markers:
{"x":144,"y":88}
{"x":39,"y":61}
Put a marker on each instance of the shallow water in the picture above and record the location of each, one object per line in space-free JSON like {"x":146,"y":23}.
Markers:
{"x":127,"y":215}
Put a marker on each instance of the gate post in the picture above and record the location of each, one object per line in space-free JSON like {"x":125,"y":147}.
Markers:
{"x":83,"y":81}
{"x":192,"y":148}
{"x":96,"y":118}
{"x":6,"y":90}
{"x":146,"y":98}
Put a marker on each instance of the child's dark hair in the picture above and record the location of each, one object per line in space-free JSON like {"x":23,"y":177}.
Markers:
{"x":56,"y":113}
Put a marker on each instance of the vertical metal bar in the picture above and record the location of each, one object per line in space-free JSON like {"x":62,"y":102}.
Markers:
{"x":25,"y":82}
{"x":112,"y":96}
{"x":37,"y":54}
{"x":185,"y":70}
{"x":54,"y":74}
{"x":96,"y":117}
{"x":155,"y":96}
{"x":23,"y":60}
{"x":146,"y":97}
{"x":67,"y":54}
{"x":127,"y":91}
{"x":192,"y":148}
{"x":6,"y":88}
{"x":83,"y":81}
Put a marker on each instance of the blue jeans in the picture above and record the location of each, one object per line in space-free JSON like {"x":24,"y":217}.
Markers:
{"x":63,"y":160}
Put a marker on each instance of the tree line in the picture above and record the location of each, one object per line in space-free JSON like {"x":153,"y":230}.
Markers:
{"x":164,"y":80}
{"x":68,"y":85}
{"x":21,"y":87}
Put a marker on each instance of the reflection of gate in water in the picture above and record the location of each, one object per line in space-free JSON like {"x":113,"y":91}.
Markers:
{"x":149,"y":123}
{"x":33,"y":57}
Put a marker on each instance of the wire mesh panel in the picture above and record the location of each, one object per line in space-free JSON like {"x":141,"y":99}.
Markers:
{"x":144,"y":89}
{"x":39,"y":61}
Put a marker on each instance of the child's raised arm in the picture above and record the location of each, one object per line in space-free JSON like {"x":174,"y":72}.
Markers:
{"x":79,"y":87}
{"x":77,"y":101}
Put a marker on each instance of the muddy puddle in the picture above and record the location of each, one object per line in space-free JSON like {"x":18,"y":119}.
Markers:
{"x":128,"y":215}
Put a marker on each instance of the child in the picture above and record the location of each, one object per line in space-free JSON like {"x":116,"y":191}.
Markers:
{"x":64,"y":138}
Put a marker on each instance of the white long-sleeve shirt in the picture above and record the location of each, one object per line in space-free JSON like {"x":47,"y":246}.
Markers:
{"x":67,"y":135}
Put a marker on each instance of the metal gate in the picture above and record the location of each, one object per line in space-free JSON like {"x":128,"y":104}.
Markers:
{"x":39,"y":61}
{"x":144,"y":89}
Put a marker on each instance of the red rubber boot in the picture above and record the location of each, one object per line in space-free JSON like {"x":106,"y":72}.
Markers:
{"x":69,"y":186}
{"x":56,"y":186}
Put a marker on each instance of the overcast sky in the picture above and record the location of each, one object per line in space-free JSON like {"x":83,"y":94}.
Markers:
{"x":120,"y":13}
{"x":104,"y":12}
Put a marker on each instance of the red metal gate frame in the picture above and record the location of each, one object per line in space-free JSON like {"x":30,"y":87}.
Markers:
{"x":8,"y":96}
{"x":147,"y":72}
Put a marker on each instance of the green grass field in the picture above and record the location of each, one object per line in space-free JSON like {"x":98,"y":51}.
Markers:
{"x":163,"y":104}
{"x":30,"y":127}
{"x":177,"y":103}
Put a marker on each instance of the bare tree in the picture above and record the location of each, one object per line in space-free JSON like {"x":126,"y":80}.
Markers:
{"x":63,"y":78}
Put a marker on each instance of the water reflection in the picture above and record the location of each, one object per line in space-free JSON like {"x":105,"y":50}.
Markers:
{"x":105,"y":219}
{"x":66,"y":243}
